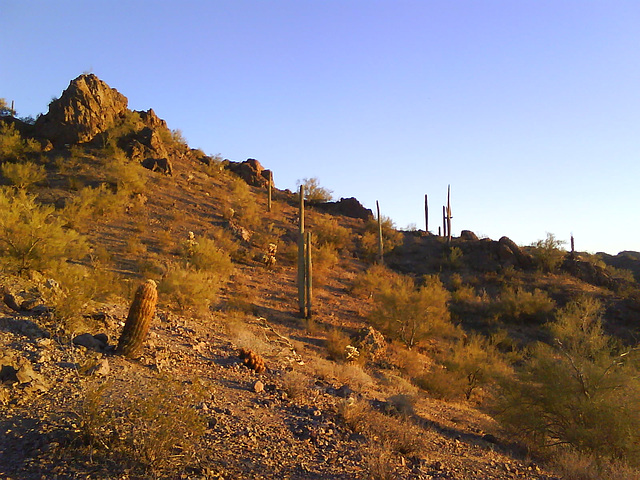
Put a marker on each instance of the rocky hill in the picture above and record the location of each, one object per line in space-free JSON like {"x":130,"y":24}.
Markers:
{"x":409,"y":371}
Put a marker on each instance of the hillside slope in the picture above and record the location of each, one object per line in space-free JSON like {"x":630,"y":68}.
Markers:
{"x":188,"y":407}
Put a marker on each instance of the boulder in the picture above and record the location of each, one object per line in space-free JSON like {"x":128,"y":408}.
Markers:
{"x":524,"y":259}
{"x":372,"y":341}
{"x":250,"y":171}
{"x":162,"y":165}
{"x":85,"y":109}
{"x":468,"y":235}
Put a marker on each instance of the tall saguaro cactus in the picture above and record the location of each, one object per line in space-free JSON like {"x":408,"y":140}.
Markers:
{"x":302,"y":301}
{"x":308,"y":275}
{"x":449,"y":214}
{"x":139,"y":320}
{"x":380,"y":239}
{"x":426,"y":213}
{"x":269,"y":188}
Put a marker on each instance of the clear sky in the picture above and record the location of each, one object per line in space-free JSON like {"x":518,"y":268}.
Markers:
{"x":530,"y":109}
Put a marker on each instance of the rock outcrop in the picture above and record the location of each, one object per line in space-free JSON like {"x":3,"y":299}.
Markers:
{"x":349,"y":207}
{"x":250,"y":171}
{"x":86,"y":108}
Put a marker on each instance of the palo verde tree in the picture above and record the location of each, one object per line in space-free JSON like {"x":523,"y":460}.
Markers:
{"x":32,"y":237}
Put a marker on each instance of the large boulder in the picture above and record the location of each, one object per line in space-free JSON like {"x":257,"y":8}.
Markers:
{"x":250,"y":171}
{"x":86,"y":108}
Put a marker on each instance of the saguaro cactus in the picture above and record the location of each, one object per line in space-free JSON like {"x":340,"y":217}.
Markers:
{"x":449,"y":214}
{"x":139,"y":319}
{"x":308,"y":275}
{"x":426,"y":213}
{"x":269,"y":187}
{"x":380,"y":244}
{"x":302,"y":301}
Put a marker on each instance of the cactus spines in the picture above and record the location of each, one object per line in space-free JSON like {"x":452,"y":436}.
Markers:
{"x":139,"y":320}
{"x":252,"y":360}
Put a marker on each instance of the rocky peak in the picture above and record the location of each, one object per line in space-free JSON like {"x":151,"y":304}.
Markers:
{"x":85,"y":109}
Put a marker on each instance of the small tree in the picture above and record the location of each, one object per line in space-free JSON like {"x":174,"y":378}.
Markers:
{"x":24,"y":174}
{"x":411,"y":314}
{"x":314,"y":192}
{"x":548,"y":253}
{"x":578,"y":392}
{"x":31,"y":236}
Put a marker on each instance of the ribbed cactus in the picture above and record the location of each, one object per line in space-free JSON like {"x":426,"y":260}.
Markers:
{"x":139,"y":320}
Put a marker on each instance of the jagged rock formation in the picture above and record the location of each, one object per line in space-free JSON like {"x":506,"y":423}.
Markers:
{"x":349,"y":207}
{"x":86,"y":108}
{"x":250,"y":171}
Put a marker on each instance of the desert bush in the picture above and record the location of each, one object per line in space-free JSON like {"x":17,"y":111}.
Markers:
{"x":411,"y":314}
{"x":313,"y":192}
{"x":452,"y":258}
{"x":337,"y":341}
{"x":580,"y":392}
{"x":13,"y":147}
{"x":391,"y":238}
{"x":520,"y":305}
{"x":373,"y":280}
{"x":295,"y":384}
{"x":23,"y":174}
{"x":398,"y":433}
{"x":204,"y":254}
{"x":32,"y":237}
{"x":127,"y":175}
{"x":89,"y":203}
{"x":327,"y":231}
{"x":572,"y":465}
{"x":241,"y":205}
{"x":547,"y":253}
{"x":78,"y":286}
{"x":154,"y":428}
{"x":471,"y":363}
{"x":324,"y":259}
{"x":183,"y":287}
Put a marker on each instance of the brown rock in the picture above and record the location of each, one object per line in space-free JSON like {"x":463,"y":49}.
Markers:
{"x":86,"y":108}
{"x":372,"y":341}
{"x":250,"y":171}
{"x":258,"y":387}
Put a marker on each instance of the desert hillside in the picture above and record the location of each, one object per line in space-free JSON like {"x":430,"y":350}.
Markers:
{"x":442,"y":358}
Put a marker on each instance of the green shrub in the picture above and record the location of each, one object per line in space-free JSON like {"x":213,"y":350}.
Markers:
{"x":578,"y":392}
{"x":183,"y":287}
{"x":32,"y":237}
{"x":154,"y":427}
{"x":519,"y":305}
{"x":23,"y":174}
{"x":203,"y":254}
{"x":327,"y":231}
{"x":12,"y":146}
{"x":547,"y":253}
{"x":472,"y":363}
{"x":313,"y":192}
{"x":391,"y":238}
{"x":411,"y":314}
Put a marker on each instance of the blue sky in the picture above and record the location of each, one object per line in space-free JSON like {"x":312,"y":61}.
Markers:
{"x":529,"y":109}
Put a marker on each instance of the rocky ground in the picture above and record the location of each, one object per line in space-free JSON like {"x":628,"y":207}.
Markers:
{"x":292,"y":421}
